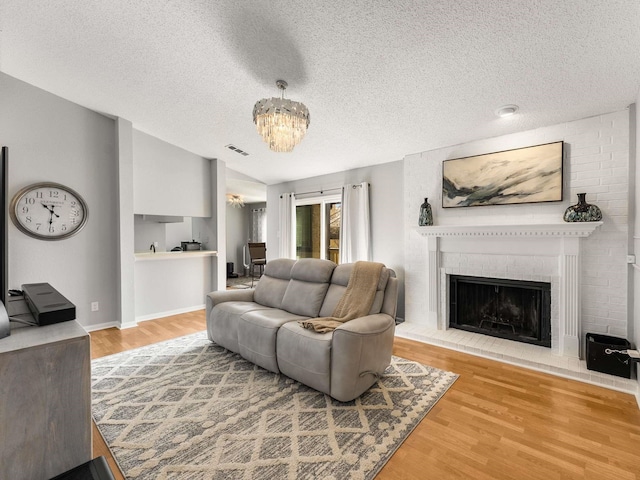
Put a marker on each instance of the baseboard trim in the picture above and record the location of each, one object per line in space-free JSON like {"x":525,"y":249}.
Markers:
{"x":169,"y":313}
{"x":124,"y":326}
{"x":638,"y":394}
{"x":100,"y":326}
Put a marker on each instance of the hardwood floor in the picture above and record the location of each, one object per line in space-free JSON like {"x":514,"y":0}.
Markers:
{"x":113,"y":340}
{"x":496,"y":422}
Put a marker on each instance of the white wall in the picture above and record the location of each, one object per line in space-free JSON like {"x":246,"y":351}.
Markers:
{"x":178,"y":232}
{"x":386,"y":212}
{"x":596,"y":162}
{"x":168,"y":235}
{"x":168,"y":180}
{"x":146,"y":233}
{"x":237,"y":235}
{"x":125,"y":272}
{"x":171,"y":286}
{"x":51,"y":139}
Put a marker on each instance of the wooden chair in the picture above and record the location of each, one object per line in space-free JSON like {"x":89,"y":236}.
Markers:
{"x":258,"y":254}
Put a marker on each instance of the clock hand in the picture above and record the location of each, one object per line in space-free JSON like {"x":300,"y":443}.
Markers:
{"x":51,"y":213}
{"x":50,"y":208}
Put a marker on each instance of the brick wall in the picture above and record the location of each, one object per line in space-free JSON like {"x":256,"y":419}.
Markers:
{"x":596,"y":162}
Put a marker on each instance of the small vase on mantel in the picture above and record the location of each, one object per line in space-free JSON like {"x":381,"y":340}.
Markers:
{"x":426,"y":215}
{"x":582,"y":211}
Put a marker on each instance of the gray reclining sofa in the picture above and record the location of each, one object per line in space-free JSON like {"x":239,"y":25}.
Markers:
{"x":261,"y":325}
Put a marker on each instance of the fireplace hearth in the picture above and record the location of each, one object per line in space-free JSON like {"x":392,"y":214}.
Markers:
{"x":514,"y":309}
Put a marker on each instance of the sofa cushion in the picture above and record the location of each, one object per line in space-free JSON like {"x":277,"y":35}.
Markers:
{"x":308,"y":286}
{"x":257,"y":332}
{"x":339,"y":282}
{"x":224,"y":330}
{"x":273,"y":283}
{"x":305,"y":355}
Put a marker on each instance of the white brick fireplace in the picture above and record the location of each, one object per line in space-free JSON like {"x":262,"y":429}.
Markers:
{"x":587,"y":270}
{"x":536,"y":252}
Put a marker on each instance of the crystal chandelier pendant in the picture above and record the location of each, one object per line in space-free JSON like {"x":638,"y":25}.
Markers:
{"x":281,"y":123}
{"x":235,"y":200}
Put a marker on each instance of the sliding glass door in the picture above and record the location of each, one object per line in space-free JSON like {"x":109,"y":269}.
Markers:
{"x":318,"y":228}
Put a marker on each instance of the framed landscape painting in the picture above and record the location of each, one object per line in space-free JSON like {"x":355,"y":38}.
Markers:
{"x":524,"y":175}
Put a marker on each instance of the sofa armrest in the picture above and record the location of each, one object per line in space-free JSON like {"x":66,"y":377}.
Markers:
{"x":360,"y":352}
{"x":368,"y":325}
{"x":221,"y":296}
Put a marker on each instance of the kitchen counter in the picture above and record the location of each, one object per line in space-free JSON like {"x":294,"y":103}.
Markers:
{"x":146,"y":256}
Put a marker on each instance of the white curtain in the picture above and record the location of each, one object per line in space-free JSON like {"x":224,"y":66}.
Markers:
{"x":259,"y":225}
{"x":287,"y":226}
{"x":355,"y":226}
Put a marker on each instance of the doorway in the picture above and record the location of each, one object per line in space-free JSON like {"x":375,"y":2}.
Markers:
{"x":318,"y":228}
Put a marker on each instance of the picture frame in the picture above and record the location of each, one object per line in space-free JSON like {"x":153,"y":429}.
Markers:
{"x":523,"y":175}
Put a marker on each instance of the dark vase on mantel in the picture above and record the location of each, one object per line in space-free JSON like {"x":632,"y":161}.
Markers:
{"x":426,"y":215}
{"x":582,"y":211}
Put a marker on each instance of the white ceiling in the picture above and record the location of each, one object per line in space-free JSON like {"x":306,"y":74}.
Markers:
{"x":382,"y":79}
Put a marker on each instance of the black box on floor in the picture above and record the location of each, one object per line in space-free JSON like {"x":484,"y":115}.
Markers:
{"x":230,"y":268}
{"x":614,"y":363}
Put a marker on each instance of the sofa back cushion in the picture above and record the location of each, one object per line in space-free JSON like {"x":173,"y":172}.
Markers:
{"x":274,"y":282}
{"x":308,"y":286}
{"x":339,"y":282}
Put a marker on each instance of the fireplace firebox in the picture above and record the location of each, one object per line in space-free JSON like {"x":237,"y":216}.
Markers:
{"x":514,"y":309}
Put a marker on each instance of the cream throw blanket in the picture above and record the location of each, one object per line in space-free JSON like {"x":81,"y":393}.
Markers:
{"x":356,"y":300}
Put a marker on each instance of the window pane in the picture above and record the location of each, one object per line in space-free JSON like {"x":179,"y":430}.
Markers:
{"x":333,"y":244}
{"x":308,"y":231}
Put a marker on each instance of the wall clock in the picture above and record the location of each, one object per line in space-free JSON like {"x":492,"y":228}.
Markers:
{"x":48,"y":211}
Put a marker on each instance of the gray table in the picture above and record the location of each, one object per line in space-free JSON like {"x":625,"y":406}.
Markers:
{"x":45,"y":399}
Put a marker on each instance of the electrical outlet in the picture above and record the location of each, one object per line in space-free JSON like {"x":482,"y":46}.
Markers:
{"x":95,"y":306}
{"x":631,"y":259}
{"x":155,"y":244}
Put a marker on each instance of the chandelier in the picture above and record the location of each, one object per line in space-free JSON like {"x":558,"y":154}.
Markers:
{"x":235,"y":200}
{"x":282,"y":123}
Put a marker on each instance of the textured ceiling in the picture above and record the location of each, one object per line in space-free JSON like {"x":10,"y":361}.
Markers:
{"x":382,"y":79}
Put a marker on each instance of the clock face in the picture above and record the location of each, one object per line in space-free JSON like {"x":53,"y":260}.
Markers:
{"x":48,"y":211}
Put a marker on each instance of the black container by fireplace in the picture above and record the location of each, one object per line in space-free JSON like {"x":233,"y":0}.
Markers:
{"x":613,"y":363}
{"x":513,"y":309}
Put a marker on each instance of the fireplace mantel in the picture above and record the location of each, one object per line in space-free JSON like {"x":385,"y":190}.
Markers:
{"x":559,"y":239}
{"x":560,"y":229}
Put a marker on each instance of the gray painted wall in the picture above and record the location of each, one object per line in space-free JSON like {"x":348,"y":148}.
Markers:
{"x":168,"y":180}
{"x":387,"y":212}
{"x":634,"y":215}
{"x":51,"y":139}
{"x":237,"y":234}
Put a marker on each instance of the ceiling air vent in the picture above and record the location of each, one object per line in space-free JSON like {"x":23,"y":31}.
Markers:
{"x":237,"y":150}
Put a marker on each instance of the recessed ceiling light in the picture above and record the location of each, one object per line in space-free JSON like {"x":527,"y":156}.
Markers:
{"x":506,"y":110}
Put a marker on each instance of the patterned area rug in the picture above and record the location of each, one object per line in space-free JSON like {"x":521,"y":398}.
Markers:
{"x":189,"y":409}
